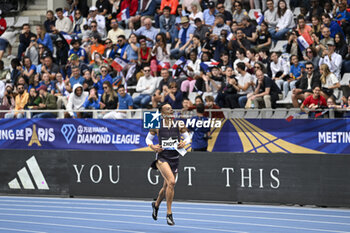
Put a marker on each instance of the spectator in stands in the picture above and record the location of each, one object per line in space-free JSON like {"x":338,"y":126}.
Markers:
{"x":95,"y":66}
{"x":311,"y":55}
{"x":148,"y":31}
{"x":248,"y":29}
{"x":62,"y":50}
{"x":262,"y":37}
{"x":144,"y":54}
{"x":35,"y":82}
{"x":229,"y":92}
{"x":28,"y":70}
{"x":304,"y":30}
{"x":210,"y":104}
{"x":44,"y":37}
{"x":99,"y":19}
{"x":48,"y":102}
{"x":329,"y":82}
{"x":161,"y":55}
{"x":196,"y":12}
{"x":108,"y":48}
{"x":209,"y":14}
{"x":316,"y":26}
{"x":227,"y":14}
{"x":76,"y":101}
{"x":251,"y":55}
{"x":285,"y":21}
{"x":313,"y":102}
{"x":115,"y":31}
{"x":172,"y":96}
{"x":172,"y":4}
{"x":167,"y":25}
{"x":96,"y":47}
{"x":80,"y":52}
{"x":346,"y":62}
{"x":24,"y":40}
{"x":213,"y":81}
{"x":33,"y":100}
{"x":7,"y":39}
{"x":145,"y":87}
{"x":91,"y":102}
{"x":88,"y":82}
{"x":20,"y":101}
{"x":202,"y":30}
{"x":340,"y":45}
{"x":314,"y":10}
{"x":240,"y":55}
{"x":270,"y":16}
{"x":7,"y":102}
{"x":109,"y":99}
{"x":63,"y":24}
{"x":163,"y":84}
{"x":239,"y":42}
{"x":124,"y":102}
{"x":238,"y":12}
{"x":78,"y":24}
{"x":266,"y":91}
{"x":219,"y":25}
{"x":49,"y":67}
{"x":131,"y":51}
{"x":120,"y":6}
{"x":146,"y":8}
{"x":45,"y":81}
{"x":332,"y":25}
{"x":50,"y":21}
{"x":245,"y":85}
{"x":119,"y":49}
{"x":73,"y":61}
{"x":32,"y":51}
{"x":304,"y":87}
{"x":16,"y":70}
{"x":61,"y":92}
{"x":76,"y":78}
{"x":279,"y":69}
{"x":193,"y":67}
{"x":296,"y":70}
{"x":342,"y":16}
{"x":103,"y":7}
{"x":332,"y":59}
{"x":322,"y":45}
{"x":100,"y":79}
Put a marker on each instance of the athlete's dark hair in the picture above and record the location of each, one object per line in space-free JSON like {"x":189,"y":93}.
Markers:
{"x":200,"y":108}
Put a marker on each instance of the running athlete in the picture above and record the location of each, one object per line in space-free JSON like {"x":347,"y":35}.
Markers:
{"x":167,"y":158}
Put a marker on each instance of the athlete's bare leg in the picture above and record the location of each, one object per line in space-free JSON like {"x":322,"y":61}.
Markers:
{"x":169,"y":178}
{"x":161,"y":194}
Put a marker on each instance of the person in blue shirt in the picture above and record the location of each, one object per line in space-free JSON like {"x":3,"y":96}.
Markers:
{"x":44,"y":38}
{"x":28,"y":69}
{"x":296,"y":70}
{"x":200,"y":135}
{"x":124,"y":102}
{"x":50,"y":85}
{"x":78,"y":51}
{"x":75,"y":78}
{"x":91,"y":102}
{"x":100,"y":79}
{"x":343,"y":16}
{"x":119,"y":48}
{"x":173,"y":96}
{"x":209,"y":14}
{"x":332,"y":25}
{"x":184,"y":39}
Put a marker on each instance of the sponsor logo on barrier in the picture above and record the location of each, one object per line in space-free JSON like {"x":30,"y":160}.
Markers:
{"x":68,"y":131}
{"x":25,"y":179}
{"x":151,"y":120}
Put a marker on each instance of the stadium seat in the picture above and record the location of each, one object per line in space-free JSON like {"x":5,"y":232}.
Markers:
{"x":138,"y":114}
{"x":345,"y":80}
{"x":237,"y":113}
{"x":251,"y":13}
{"x":192,"y":96}
{"x":127,"y":33}
{"x":10,"y":21}
{"x":279,"y":47}
{"x":279,"y":113}
{"x":266,"y":113}
{"x":252,"y":113}
{"x":21,"y":20}
{"x":296,"y":11}
{"x":286,"y":100}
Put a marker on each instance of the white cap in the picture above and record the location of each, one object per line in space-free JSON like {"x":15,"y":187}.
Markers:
{"x":93,"y":8}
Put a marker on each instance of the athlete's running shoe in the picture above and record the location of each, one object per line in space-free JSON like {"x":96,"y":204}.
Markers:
{"x":155,"y":211}
{"x":169,"y":219}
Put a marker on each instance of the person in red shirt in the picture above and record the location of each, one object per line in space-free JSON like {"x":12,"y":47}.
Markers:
{"x":210,"y":104}
{"x":170,"y":3}
{"x":3,"y":24}
{"x":314,"y":101}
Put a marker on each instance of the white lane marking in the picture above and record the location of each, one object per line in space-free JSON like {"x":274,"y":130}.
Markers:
{"x":67,"y":225}
{"x":25,"y":179}
{"x":37,"y":174}
{"x":126,"y":222}
{"x":20,"y":230}
{"x":145,"y":211}
{"x":246,"y":205}
{"x":177,"y":207}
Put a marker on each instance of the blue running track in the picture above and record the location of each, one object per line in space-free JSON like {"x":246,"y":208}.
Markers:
{"x":61,"y":215}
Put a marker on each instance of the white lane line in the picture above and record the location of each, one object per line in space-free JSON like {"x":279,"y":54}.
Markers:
{"x":177,"y":212}
{"x":205,"y":210}
{"x":20,"y":230}
{"x":262,"y":206}
{"x":67,"y":225}
{"x":124,"y":222}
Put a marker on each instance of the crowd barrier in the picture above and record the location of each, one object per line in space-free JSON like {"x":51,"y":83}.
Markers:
{"x":322,"y":180}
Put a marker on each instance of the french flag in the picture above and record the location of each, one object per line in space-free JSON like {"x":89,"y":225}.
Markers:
{"x":67,"y":37}
{"x":208,"y":64}
{"x":303,"y":43}
{"x":118,"y":64}
{"x":178,"y":63}
{"x":124,"y":14}
{"x":259,"y":17}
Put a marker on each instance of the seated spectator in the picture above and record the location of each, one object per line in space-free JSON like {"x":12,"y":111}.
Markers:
{"x":63,"y":24}
{"x":99,"y":80}
{"x":35,"y":82}
{"x":227,"y":14}
{"x":202,"y":30}
{"x":332,"y":25}
{"x":96,"y":47}
{"x":196,"y":13}
{"x":332,"y":59}
{"x":76,"y":78}
{"x":213,"y":81}
{"x":248,"y":29}
{"x":33,"y":101}
{"x":91,"y":102}
{"x":148,"y":31}
{"x":45,"y":81}
{"x":313,"y":102}
{"x":311,"y":56}
{"x":48,"y":102}
{"x":78,"y":24}
{"x":62,"y":50}
{"x":167,"y":25}
{"x":49,"y":67}
{"x":262,"y":37}
{"x":240,"y":55}
{"x":305,"y":85}
{"x":296,"y":70}
{"x":50,"y":21}
{"x":293,"y":47}
{"x":209,"y":14}
{"x":44,"y":37}
{"x":76,"y":101}
{"x":20,"y":102}
{"x":329,"y":82}
{"x":7,"y":102}
{"x":97,"y":21}
{"x":161,"y":55}
{"x":266,"y":91}
{"x":163,"y":84}
{"x":33,"y":51}
{"x":322,"y":45}
{"x":108,"y":48}
{"x":224,"y":62}
{"x":193,"y":67}
{"x":146,"y":8}
{"x":270,"y":16}
{"x":115,"y":31}
{"x":314,"y":10}
{"x":24,"y":40}
{"x":342,"y":16}
{"x":131,"y":50}
{"x":16,"y":70}
{"x":340,"y":45}
{"x":28,"y":69}
{"x":210,"y":104}
{"x":109,"y":99}
{"x":316,"y":26}
{"x":219,"y":25}
{"x":73,"y":61}
{"x":88,"y":82}
{"x":80,"y":52}
{"x":60,"y":92}
{"x":184,"y":39}
{"x":238,"y":13}
{"x":285,"y":21}
{"x":144,"y":54}
{"x":146,"y":87}
{"x":103,"y":7}
{"x":238,"y":42}
{"x":120,"y":6}
{"x":95,"y":66}
{"x":229,"y":92}
{"x":279,"y":69}
{"x":124,"y":102}
{"x":172,"y":96}
{"x":251,"y":55}
{"x":120,"y":48}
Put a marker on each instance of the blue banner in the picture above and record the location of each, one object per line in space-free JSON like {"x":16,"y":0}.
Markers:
{"x":235,"y":135}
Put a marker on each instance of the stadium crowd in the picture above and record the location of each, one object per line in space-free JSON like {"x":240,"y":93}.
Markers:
{"x":127,"y":54}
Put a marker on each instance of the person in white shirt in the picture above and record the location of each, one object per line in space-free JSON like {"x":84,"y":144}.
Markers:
{"x":270,"y":16}
{"x":332,"y":59}
{"x":279,"y":69}
{"x":100,"y":19}
{"x":146,"y":87}
{"x":240,"y":54}
{"x":285,"y":21}
{"x":329,"y":82}
{"x":63,"y":24}
{"x":196,"y":12}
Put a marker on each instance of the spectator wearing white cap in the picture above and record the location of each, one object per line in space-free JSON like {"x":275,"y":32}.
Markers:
{"x":100,"y":20}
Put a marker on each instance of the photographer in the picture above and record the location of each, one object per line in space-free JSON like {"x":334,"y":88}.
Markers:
{"x":200,"y":135}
